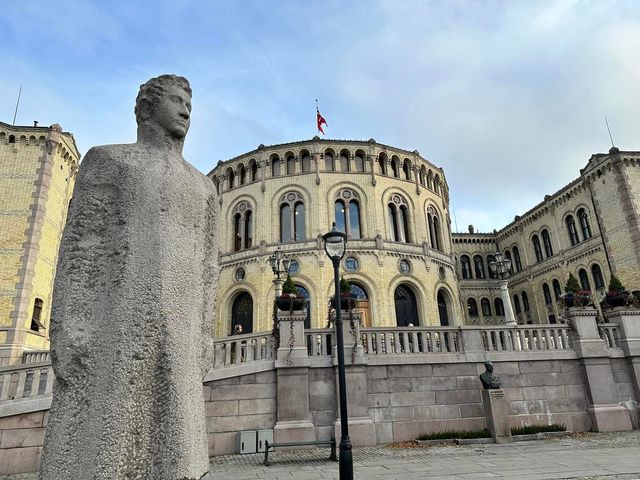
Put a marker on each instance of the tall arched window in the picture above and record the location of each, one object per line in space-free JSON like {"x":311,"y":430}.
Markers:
{"x":359,"y":293}
{"x":485,"y":305}
{"x":436,"y":183}
{"x":584,"y":279}
{"x":423,"y":176}
{"x":394,"y":167}
{"x":516,"y":258}
{"x":499,"y":306}
{"x":557,"y":290}
{"x":242,"y":313}
{"x":242,"y":173}
{"x":328,"y":162}
{"x":525,"y":301}
{"x":430,"y":180}
{"x":347,"y":211}
{"x":598,"y":280}
{"x":443,"y":310}
{"x":406,"y":306}
{"x":465,"y":265}
{"x":433,"y":222}
{"x":253,"y":166}
{"x":291,"y":165}
{"x":275,"y":166}
{"x":36,"y":322}
{"x":242,"y":226}
{"x":344,"y":162}
{"x":306,"y":161}
{"x":507,"y":256}
{"x":398,"y":219}
{"x":304,"y":293}
{"x":292,"y":217}
{"x":382,"y":164}
{"x":546,"y":240}
{"x":231,"y":178}
{"x":546,"y":292}
{"x":493,"y":275}
{"x":472,"y":307}
{"x":406,"y":169}
{"x":478,"y":264}
{"x":536,"y":248}
{"x":516,"y":303}
{"x":358,"y":162}
{"x":571,"y":228}
{"x":584,"y":224}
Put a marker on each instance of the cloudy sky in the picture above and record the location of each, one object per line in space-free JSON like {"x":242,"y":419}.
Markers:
{"x":509,"y":97}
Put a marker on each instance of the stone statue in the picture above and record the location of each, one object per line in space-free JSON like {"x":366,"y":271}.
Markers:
{"x":133,"y":305}
{"x":488,"y":379}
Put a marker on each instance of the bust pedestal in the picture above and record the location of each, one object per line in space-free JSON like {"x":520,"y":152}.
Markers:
{"x":496,"y":411}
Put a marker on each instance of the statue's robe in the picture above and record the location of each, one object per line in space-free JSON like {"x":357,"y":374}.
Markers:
{"x":132,"y":320}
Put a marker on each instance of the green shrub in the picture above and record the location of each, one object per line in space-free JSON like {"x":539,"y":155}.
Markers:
{"x":531,"y":429}
{"x":572,"y":284}
{"x":289,"y":287}
{"x":451,"y":434}
{"x":344,"y":286}
{"x":615,"y":285}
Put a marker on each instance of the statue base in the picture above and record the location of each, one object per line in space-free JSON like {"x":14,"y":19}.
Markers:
{"x":496,"y":412}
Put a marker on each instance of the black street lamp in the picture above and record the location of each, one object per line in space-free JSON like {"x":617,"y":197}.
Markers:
{"x":279,"y":265}
{"x":335,"y":244}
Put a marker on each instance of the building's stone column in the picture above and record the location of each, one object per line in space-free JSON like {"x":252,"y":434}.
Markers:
{"x":629,"y":321}
{"x":293,"y":422}
{"x":362,"y":430}
{"x":510,"y":318}
{"x":607,"y":415}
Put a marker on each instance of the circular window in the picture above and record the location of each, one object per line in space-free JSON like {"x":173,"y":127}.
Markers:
{"x":294,"y":267}
{"x":240,"y":274}
{"x":351,"y":264}
{"x":404,"y":266}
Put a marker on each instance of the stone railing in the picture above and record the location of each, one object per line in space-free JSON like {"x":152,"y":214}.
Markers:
{"x":25,"y":381}
{"x":405,"y":340}
{"x":610,"y":333}
{"x":36,"y":356}
{"x":526,"y":338}
{"x":320,"y":341}
{"x":242,"y":349}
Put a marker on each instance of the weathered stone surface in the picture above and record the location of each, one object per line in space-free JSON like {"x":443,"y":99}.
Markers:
{"x":133,"y":306}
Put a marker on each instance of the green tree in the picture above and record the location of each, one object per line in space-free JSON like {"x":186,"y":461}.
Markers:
{"x":572,"y":285}
{"x":289,"y":287}
{"x":615,"y":285}
{"x":344,"y":286}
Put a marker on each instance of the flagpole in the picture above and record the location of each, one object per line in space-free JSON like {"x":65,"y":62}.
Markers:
{"x":317,"y":111}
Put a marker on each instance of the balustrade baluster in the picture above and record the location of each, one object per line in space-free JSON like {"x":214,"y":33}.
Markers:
{"x":6,"y":381}
{"x":50,"y":381}
{"x":35,"y":383}
{"x":22,"y":380}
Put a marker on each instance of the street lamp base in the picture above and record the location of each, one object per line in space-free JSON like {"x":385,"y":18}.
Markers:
{"x":345,"y":464}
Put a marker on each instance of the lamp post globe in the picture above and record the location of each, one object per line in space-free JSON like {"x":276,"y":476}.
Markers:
{"x":335,"y":245}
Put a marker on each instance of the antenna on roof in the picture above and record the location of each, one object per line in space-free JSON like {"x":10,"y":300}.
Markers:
{"x":17,"y":103}
{"x":609,"y":130}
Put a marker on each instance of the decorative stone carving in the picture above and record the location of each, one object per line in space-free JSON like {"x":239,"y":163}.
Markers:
{"x":133,"y":306}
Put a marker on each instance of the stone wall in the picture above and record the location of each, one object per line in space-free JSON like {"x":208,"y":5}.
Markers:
{"x":21,"y":441}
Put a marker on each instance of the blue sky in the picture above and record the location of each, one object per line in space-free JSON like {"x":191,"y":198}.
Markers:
{"x":508,"y":97}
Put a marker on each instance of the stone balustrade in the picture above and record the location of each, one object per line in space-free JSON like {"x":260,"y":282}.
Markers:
{"x":529,"y":338}
{"x":36,"y":356}
{"x":242,"y":349}
{"x":410,"y":340}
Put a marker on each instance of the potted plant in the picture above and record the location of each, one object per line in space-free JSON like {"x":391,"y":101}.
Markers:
{"x":617,"y":294}
{"x":290,"y":298}
{"x":346,"y":302}
{"x":574,"y":296}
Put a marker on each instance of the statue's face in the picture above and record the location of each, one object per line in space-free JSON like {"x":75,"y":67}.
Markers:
{"x":172,"y":112}
{"x":489,"y":367}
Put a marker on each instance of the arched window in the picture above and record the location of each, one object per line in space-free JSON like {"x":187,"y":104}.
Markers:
{"x":242,"y":173}
{"x":328,"y":162}
{"x":231,"y":178}
{"x":557,"y":291}
{"x":571,"y":228}
{"x":507,"y":256}
{"x":242,"y":313}
{"x":242,"y":226}
{"x":546,"y":240}
{"x":306,"y":161}
{"x":354,"y":219}
{"x":12,"y":139}
{"x":394,"y":167}
{"x":465,"y":264}
{"x":433,"y":222}
{"x":36,"y":323}
{"x":485,"y":305}
{"x":472,"y":307}
{"x":344,"y":161}
{"x":304,"y":293}
{"x":292,"y":218}
{"x":584,"y":224}
{"x":406,"y":306}
{"x":516,"y":258}
{"x":584,"y":279}
{"x":436,"y":184}
{"x":443,"y":311}
{"x":478,"y":263}
{"x":596,"y":272}
{"x":358,"y":161}
{"x":275,"y":166}
{"x":516,"y":303}
{"x":423,"y":176}
{"x":499,"y":306}
{"x":382,"y":164}
{"x":398,"y":219}
{"x":406,"y":169}
{"x":536,"y":248}
{"x":546,"y":292}
{"x":291,"y":165}
{"x":253,"y":166}
{"x":347,"y":211}
{"x":525,"y":301}
{"x":493,"y":275}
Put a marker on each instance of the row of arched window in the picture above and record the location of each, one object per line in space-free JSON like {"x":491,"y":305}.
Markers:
{"x":485,"y":305}
{"x":585,"y":227}
{"x":347,"y":215}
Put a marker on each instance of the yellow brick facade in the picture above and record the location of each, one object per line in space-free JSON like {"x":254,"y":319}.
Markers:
{"x":304,"y":173}
{"x":37,"y":173}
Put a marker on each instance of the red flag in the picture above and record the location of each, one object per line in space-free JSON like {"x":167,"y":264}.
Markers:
{"x":321,"y":121}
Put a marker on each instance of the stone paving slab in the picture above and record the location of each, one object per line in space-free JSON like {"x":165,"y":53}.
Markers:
{"x":598,"y":456}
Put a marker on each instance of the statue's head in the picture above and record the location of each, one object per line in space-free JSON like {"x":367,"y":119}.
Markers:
{"x":164,"y":103}
{"x":488,"y":366}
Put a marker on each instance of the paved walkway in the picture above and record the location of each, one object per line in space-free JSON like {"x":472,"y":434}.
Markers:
{"x":600,"y":456}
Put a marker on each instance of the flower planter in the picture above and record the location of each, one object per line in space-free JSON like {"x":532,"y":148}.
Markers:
{"x":615,"y":300}
{"x":288,"y":302}
{"x":344,"y":302}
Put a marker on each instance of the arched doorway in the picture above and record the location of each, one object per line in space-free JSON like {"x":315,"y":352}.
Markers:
{"x":362,"y":302}
{"x":305,"y":294}
{"x":242,"y":313}
{"x":406,"y":306}
{"x":442,"y":308}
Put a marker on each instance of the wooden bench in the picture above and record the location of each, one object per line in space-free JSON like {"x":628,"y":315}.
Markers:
{"x":268,"y":446}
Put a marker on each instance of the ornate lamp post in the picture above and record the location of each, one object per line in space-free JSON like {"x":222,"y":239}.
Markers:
{"x":335,"y":244}
{"x":279,"y":265}
{"x":501,"y":267}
